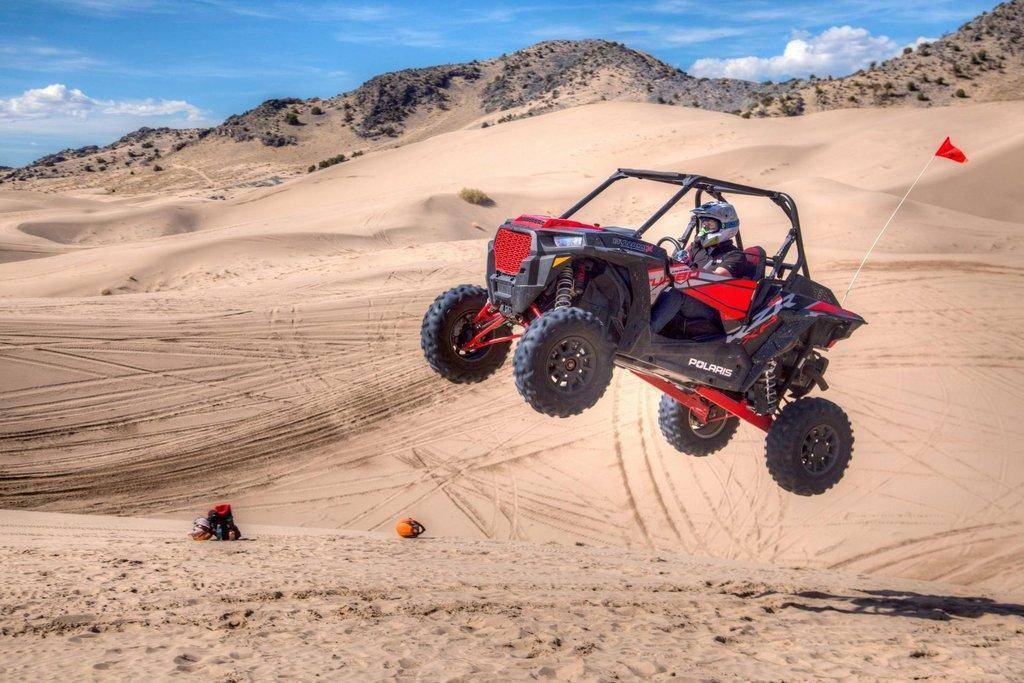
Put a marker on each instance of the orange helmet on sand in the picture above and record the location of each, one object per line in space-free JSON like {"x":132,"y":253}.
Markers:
{"x":409,"y":528}
{"x":201,"y":530}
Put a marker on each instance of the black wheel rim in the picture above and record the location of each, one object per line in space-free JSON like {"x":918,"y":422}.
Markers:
{"x":463,"y":330}
{"x":571,"y":364}
{"x":710,"y":429}
{"x":820,"y":449}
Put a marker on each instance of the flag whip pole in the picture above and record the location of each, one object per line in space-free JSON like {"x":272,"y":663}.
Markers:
{"x":884,"y":227}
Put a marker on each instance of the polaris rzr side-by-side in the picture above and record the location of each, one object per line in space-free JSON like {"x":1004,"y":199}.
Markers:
{"x":589,"y":298}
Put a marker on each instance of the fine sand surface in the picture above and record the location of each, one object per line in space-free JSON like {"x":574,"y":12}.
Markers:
{"x":159,"y":353}
{"x":89,"y":597}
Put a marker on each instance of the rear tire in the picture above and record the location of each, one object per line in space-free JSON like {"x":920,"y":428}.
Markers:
{"x":563,"y":363}
{"x":686,"y":434}
{"x":809,"y":446}
{"x":447,"y":325}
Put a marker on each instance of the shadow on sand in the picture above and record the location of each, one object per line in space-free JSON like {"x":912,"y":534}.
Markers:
{"x":892,"y":603}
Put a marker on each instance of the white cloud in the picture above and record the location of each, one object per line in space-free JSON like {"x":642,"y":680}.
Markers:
{"x":562,"y":32}
{"x":660,"y":35}
{"x":409,"y":37}
{"x":837,"y":51}
{"x":921,"y":41}
{"x":673,"y":6}
{"x":57,"y":101}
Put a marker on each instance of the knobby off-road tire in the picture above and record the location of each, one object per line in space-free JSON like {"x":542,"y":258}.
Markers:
{"x":563,"y":363}
{"x":809,"y":446}
{"x":687,"y":435}
{"x":447,"y":325}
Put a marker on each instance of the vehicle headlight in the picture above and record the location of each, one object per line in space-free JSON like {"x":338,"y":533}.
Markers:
{"x":568,"y":240}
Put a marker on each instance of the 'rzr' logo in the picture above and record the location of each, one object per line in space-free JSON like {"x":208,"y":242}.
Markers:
{"x":764,"y":316}
{"x":642,"y":247}
{"x":710,"y":367}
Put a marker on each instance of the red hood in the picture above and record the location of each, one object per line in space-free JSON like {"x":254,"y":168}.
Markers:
{"x":548,"y":223}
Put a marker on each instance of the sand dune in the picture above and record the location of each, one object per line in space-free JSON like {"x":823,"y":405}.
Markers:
{"x":270,"y":353}
{"x":103,"y":597}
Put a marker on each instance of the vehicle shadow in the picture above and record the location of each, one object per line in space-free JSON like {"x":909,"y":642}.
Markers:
{"x":892,"y":603}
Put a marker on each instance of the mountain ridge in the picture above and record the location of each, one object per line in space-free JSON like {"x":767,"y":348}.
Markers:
{"x":981,"y":61}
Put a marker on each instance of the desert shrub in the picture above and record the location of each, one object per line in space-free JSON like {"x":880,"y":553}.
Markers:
{"x":922,"y":97}
{"x":292,"y":119}
{"x":960,"y":93}
{"x":475,"y":196}
{"x":147,"y":145}
{"x":336,"y":159}
{"x":158,"y":168}
{"x":316,"y":111}
{"x":911,"y":86}
{"x":357,"y":153}
{"x":312,"y":167}
{"x":907,"y":50}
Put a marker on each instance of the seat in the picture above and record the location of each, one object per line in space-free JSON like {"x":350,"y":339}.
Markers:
{"x":756,"y":260}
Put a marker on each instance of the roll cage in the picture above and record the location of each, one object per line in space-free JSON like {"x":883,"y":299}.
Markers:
{"x":717,"y":189}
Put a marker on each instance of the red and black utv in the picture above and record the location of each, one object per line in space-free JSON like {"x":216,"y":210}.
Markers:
{"x":591,"y":297}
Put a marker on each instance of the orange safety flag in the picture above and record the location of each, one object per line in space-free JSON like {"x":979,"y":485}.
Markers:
{"x":948,"y":150}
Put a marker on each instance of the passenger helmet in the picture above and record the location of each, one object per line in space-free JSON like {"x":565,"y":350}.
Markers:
{"x":409,"y":528}
{"x":201,"y":530}
{"x":716,"y":222}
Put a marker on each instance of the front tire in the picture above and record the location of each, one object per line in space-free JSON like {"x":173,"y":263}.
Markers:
{"x":563,"y":363}
{"x":686,"y":434}
{"x":447,"y":326}
{"x":809,"y":446}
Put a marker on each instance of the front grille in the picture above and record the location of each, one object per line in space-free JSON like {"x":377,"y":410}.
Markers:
{"x":510,"y":248}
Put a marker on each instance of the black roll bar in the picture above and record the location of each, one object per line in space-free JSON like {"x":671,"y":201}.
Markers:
{"x":716,"y":188}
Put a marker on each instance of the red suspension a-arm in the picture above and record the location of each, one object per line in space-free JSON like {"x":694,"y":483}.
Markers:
{"x":487,"y":320}
{"x":692,"y":400}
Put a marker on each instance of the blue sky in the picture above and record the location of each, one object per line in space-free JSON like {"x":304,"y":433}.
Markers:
{"x":75,"y":72}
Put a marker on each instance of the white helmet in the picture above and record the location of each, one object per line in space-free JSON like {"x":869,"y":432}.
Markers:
{"x":716,"y":222}
{"x":201,"y":530}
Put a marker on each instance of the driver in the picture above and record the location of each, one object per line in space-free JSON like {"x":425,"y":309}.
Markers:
{"x":713,"y":248}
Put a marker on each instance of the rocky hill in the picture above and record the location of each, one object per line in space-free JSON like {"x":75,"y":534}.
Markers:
{"x":140,"y":151}
{"x":982,"y":61}
{"x":284,"y":137}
